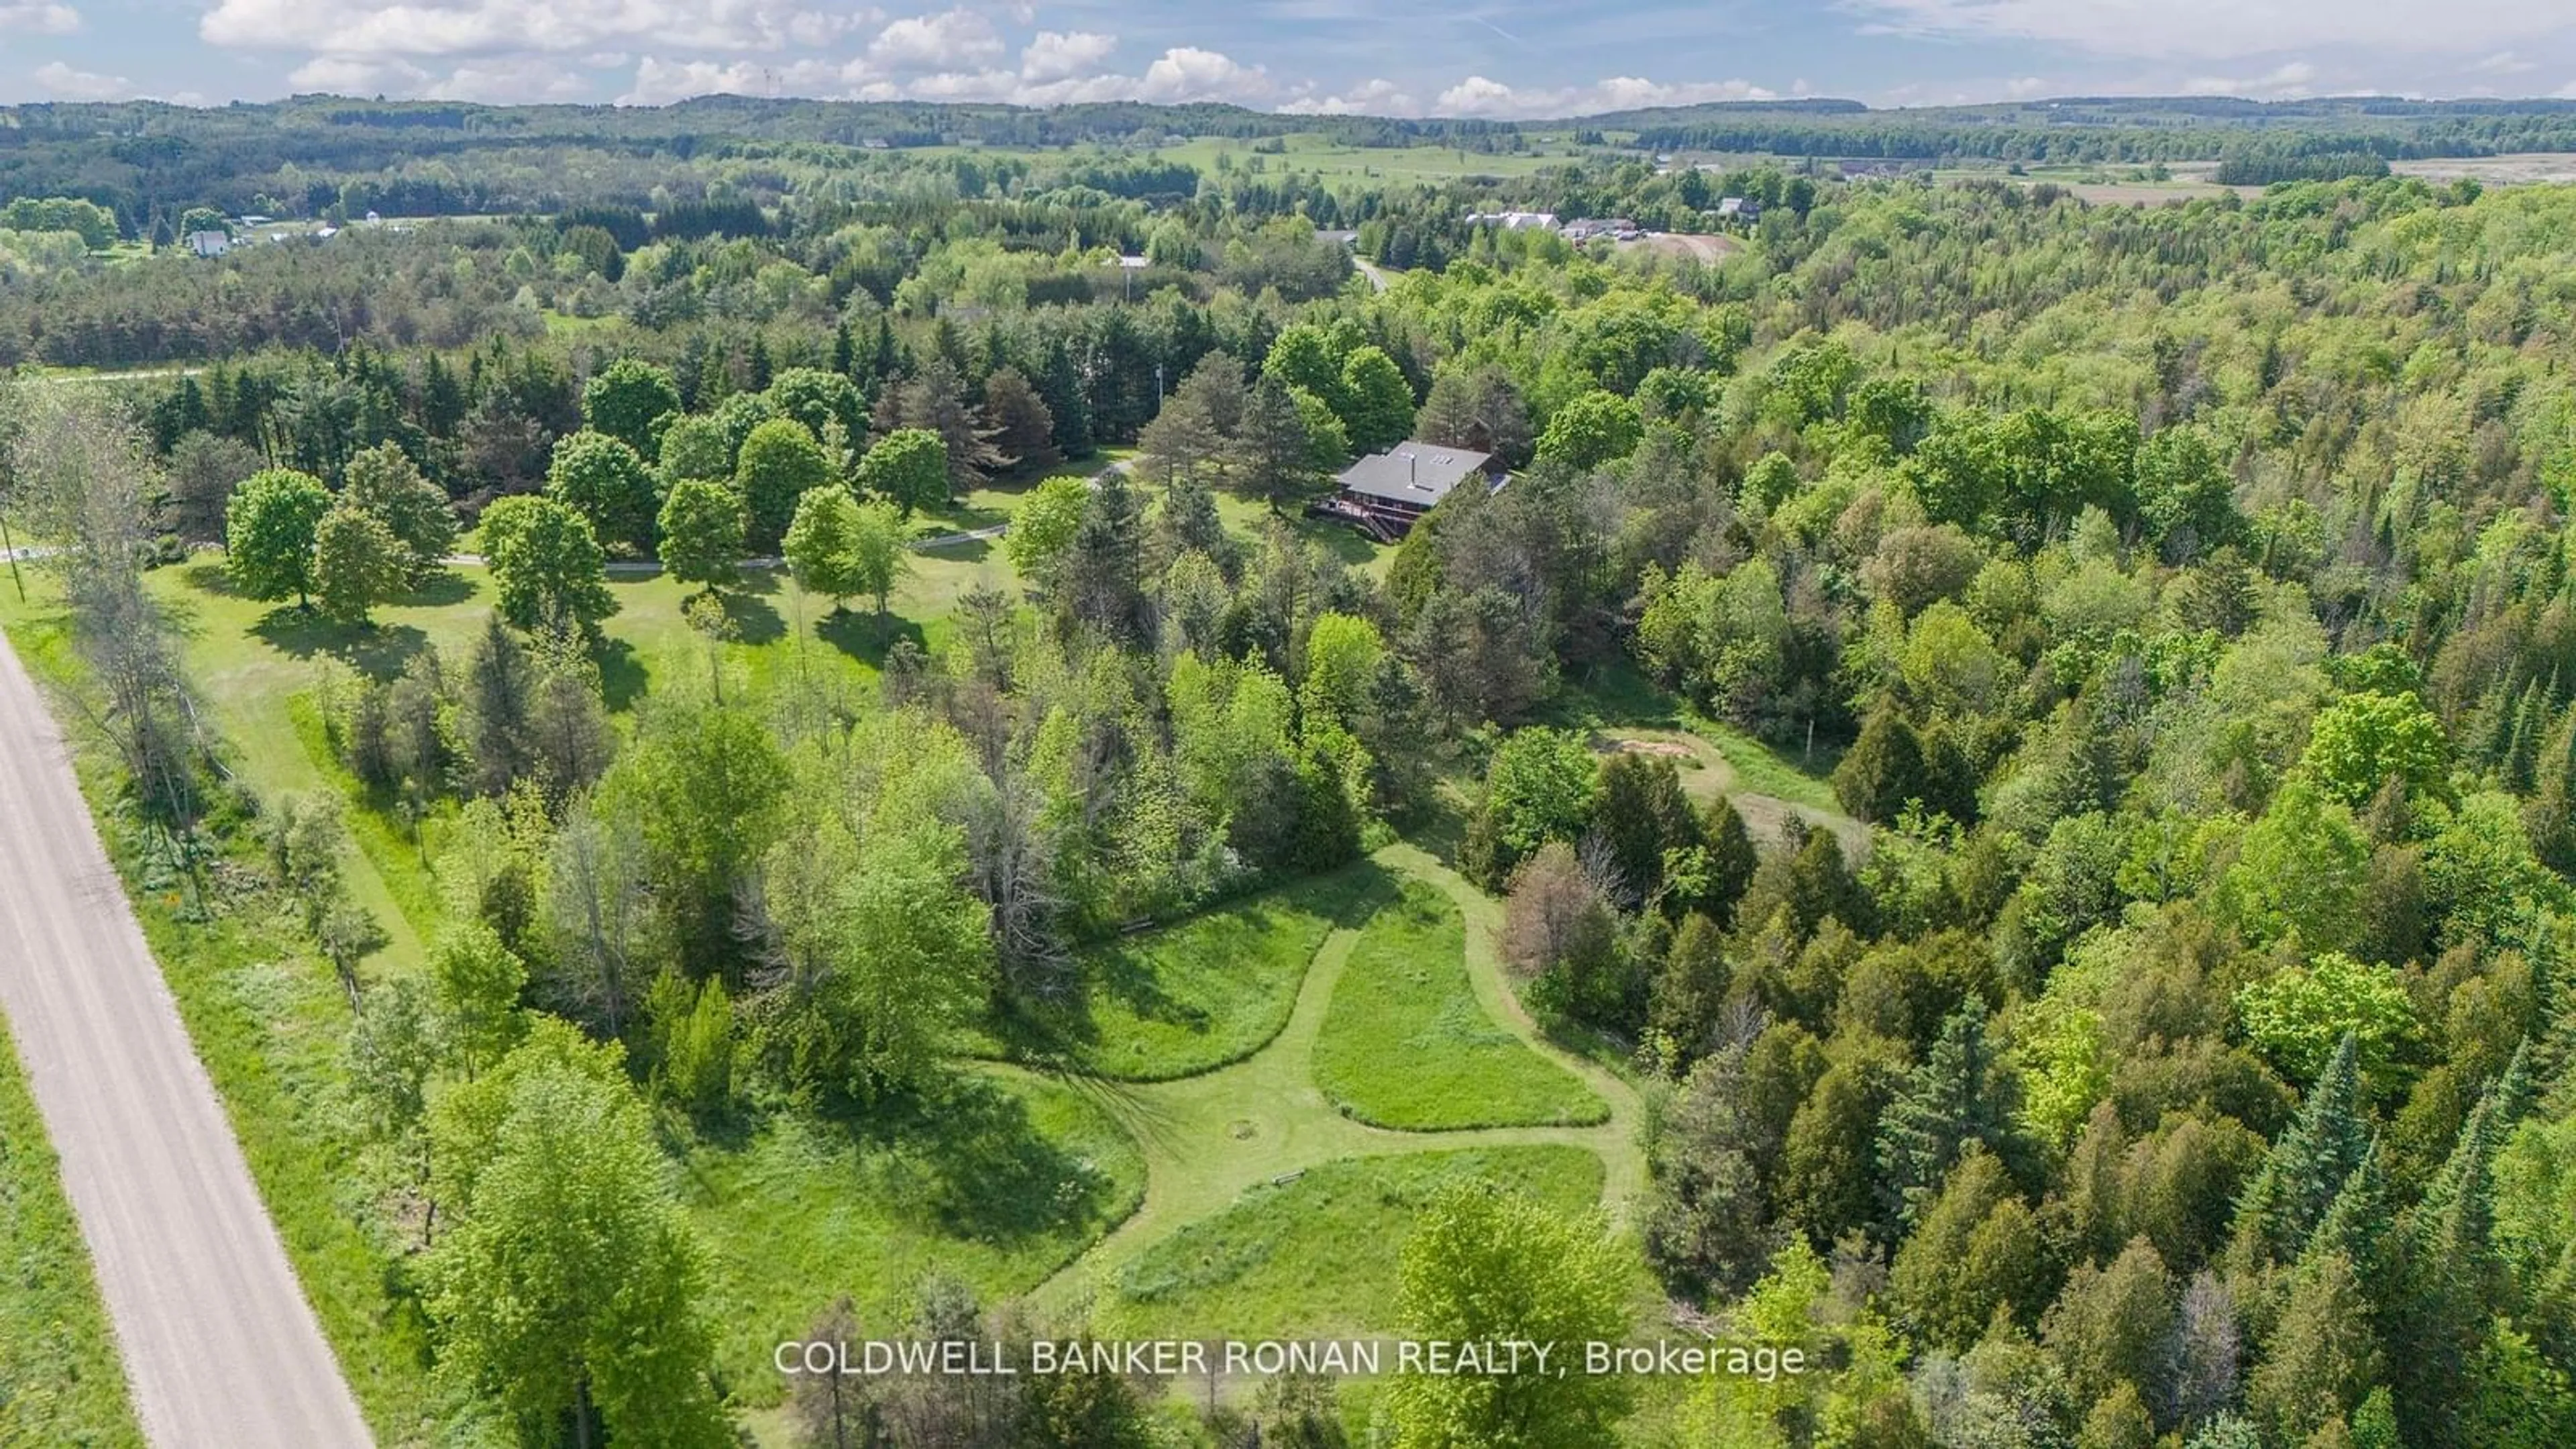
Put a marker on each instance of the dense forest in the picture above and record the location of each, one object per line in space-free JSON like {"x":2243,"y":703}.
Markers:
{"x":148,"y":161}
{"x":2141,"y":1011}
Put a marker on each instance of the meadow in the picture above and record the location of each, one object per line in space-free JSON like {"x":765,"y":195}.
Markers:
{"x":1408,"y":1045}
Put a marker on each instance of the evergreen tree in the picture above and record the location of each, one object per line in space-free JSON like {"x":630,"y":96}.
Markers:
{"x":1689,"y":992}
{"x":1270,"y":448}
{"x":935,"y":400}
{"x":2113,"y":1325}
{"x":1707,"y":1227}
{"x":2321,"y":1358}
{"x":499,"y":686}
{"x":2450,"y":1283}
{"x":1022,"y":428}
{"x":1100,"y":585}
{"x":1883,"y":770}
{"x":1946,"y":1102}
{"x":2307,"y":1167}
{"x":1059,"y":386}
{"x":1642,"y":815}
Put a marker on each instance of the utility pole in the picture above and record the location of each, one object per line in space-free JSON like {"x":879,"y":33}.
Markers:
{"x":1158,"y":387}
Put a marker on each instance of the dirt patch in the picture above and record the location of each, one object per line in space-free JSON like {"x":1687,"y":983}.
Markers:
{"x":1710,"y":249}
{"x":1673,"y":748}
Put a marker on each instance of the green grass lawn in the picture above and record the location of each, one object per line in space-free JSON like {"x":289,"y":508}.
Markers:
{"x":1209,"y":991}
{"x":997,"y":1183}
{"x":59,"y":1378}
{"x":1317,"y":1257}
{"x":1406,"y":1044}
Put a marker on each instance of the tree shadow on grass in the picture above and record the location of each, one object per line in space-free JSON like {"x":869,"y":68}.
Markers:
{"x":378,"y":651}
{"x":622,"y":679}
{"x":1340,"y":540}
{"x":210,"y":578}
{"x":446,"y":587}
{"x":967,"y":1156}
{"x":868,"y":637}
{"x":754,"y":620}
{"x":964,"y":550}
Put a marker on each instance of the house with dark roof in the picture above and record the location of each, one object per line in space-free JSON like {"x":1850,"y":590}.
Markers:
{"x":1383,"y":493}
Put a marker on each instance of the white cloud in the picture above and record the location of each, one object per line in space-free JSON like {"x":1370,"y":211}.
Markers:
{"x":2025,"y":87}
{"x":2503,"y":62}
{"x":2221,"y":30}
{"x":38,"y":16}
{"x":516,"y":80}
{"x":82,"y":85}
{"x":1058,"y":55}
{"x":1187,"y":73}
{"x":342,"y":75}
{"x":659,"y":82}
{"x":1368,"y":98}
{"x":411,"y":29}
{"x":1483,"y":97}
{"x":1054,"y":70}
{"x":940,"y":42}
{"x":2286,"y":83}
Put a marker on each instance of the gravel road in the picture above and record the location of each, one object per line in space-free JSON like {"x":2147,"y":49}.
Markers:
{"x":219,"y":1345}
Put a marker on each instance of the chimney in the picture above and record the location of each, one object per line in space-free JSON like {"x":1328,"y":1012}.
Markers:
{"x":1412,"y":469}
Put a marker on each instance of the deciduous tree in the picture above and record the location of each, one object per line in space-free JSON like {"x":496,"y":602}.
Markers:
{"x":269,"y":528}
{"x":546,"y":564}
{"x":702,"y":526}
{"x":605,"y":481}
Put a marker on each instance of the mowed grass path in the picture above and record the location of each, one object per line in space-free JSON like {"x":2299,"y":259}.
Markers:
{"x":1211,"y":990}
{"x":1408,"y":1045}
{"x":1211,"y":1139}
{"x":1317,"y":1257}
{"x":60,"y":1382}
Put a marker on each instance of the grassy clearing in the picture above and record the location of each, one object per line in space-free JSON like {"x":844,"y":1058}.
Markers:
{"x":1207,"y":992}
{"x":1405,"y":1043}
{"x":1334,"y":162}
{"x":60,"y":1382}
{"x":997,"y":1183}
{"x":1317,"y":1257}
{"x":269,"y":1021}
{"x":1618,"y":699}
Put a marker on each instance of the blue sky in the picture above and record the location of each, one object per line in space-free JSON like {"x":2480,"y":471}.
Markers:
{"x":1383,"y":57}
